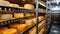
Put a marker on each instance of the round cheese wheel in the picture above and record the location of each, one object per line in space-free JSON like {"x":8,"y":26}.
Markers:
{"x":40,"y":18}
{"x":4,"y":3}
{"x":34,"y":20}
{"x":13,"y":5}
{"x":22,"y":27}
{"x":18,"y":15}
{"x":29,"y":22}
{"x":19,"y":27}
{"x":2,"y":29}
{"x":10,"y":31}
{"x":27,"y":14}
{"x":32,"y":14}
{"x":29,"y":6}
{"x":6,"y":16}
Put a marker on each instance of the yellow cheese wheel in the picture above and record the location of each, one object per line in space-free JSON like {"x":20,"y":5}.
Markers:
{"x":22,"y":27}
{"x":29,"y":22}
{"x":13,"y":5}
{"x":10,"y":31}
{"x":34,"y":20}
{"x":29,"y":6}
{"x":2,"y":29}
{"x":4,"y":3}
{"x":18,"y":15}
{"x":27,"y":14}
{"x":6,"y":16}
{"x":19,"y":27}
{"x":40,"y":18}
{"x":32,"y":14}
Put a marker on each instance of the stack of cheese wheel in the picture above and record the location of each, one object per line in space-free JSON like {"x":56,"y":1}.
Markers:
{"x":6,"y":16}
{"x":18,"y":15}
{"x":14,"y":5}
{"x":29,"y":22}
{"x":29,"y":6}
{"x":20,"y":27}
{"x":33,"y":31}
{"x":10,"y":31}
{"x":4,"y":3}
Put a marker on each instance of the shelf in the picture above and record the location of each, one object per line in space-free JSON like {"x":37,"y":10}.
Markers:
{"x":33,"y":26}
{"x":23,"y":11}
{"x":5,"y":22}
{"x":13,"y":10}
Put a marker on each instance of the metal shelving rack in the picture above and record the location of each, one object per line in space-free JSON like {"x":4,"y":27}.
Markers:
{"x":13,"y":10}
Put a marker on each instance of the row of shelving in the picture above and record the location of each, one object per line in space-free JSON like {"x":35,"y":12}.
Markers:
{"x":18,"y":19}
{"x":12,"y":10}
{"x":13,"y":20}
{"x":35,"y":25}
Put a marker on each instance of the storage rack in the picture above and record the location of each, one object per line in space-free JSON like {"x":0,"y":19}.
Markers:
{"x":13,"y":10}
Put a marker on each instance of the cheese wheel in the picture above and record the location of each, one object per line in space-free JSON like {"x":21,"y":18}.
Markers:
{"x":29,"y":22}
{"x":6,"y":16}
{"x":13,"y":5}
{"x":32,"y":14}
{"x":29,"y":6}
{"x":22,"y":27}
{"x":40,"y":18}
{"x":19,"y":27}
{"x":34,"y":20}
{"x":4,"y":3}
{"x":33,"y":31}
{"x":18,"y":15}
{"x":10,"y":31}
{"x":2,"y":28}
{"x":27,"y":14}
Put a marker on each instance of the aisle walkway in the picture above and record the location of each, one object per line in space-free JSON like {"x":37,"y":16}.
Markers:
{"x":55,"y":29}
